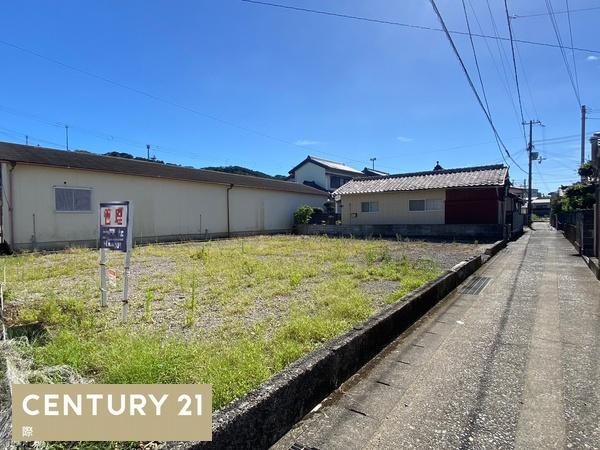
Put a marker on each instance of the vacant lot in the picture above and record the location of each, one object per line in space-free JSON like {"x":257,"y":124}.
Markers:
{"x":230,"y":313}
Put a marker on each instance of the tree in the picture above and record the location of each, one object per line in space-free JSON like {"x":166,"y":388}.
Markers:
{"x":579,"y":195}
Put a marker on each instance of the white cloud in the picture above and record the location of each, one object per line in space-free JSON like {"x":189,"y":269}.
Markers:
{"x":593,"y":58}
{"x":404,"y":139}
{"x":306,"y":142}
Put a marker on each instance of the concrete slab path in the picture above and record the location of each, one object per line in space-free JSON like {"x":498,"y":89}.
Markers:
{"x":516,"y":365}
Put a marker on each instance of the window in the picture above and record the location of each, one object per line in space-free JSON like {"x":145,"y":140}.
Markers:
{"x":335,"y":181}
{"x":431,"y":204}
{"x":369,"y":206}
{"x":416,"y":205}
{"x":73,"y":200}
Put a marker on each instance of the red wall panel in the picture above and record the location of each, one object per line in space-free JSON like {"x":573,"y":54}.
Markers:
{"x":472,"y":206}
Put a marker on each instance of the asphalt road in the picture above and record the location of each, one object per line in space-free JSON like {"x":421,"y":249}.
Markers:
{"x":516,"y":365}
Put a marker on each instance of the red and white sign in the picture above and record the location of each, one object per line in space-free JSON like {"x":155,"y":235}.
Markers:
{"x":114,"y":216}
{"x":112,"y":277}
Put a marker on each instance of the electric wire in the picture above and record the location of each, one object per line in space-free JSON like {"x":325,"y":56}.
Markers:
{"x":514,"y":61}
{"x":502,"y":75}
{"x":471,"y":84}
{"x":404,"y":25}
{"x":571,"y":40}
{"x":477,"y":67}
{"x":550,"y":9}
{"x":529,"y":91}
{"x":522,"y":16}
{"x":170,"y":102}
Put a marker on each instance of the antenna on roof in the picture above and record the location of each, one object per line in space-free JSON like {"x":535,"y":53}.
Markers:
{"x":67,"y":136}
{"x":26,"y":140}
{"x":373,"y":162}
{"x":147,"y":151}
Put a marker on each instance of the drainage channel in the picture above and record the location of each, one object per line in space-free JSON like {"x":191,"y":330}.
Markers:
{"x":475,"y":285}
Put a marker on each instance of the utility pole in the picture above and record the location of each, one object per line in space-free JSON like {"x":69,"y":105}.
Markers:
{"x":530,"y":154}
{"x":148,"y":151}
{"x":583,"y":112}
{"x":67,"y":135}
{"x":26,"y":140}
{"x":373,"y":162}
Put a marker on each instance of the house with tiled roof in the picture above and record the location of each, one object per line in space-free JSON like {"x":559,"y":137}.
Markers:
{"x":468,"y":195}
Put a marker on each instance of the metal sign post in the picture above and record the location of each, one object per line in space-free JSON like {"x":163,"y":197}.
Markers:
{"x":116,"y":233}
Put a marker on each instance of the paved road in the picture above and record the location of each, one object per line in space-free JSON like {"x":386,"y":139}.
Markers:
{"x":515,"y":366}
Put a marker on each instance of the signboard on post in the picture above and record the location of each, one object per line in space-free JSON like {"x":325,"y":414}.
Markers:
{"x":115,"y":233}
{"x":114,"y":226}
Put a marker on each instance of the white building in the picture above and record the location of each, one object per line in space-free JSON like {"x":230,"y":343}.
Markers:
{"x":323,"y":174}
{"x":50,"y":199}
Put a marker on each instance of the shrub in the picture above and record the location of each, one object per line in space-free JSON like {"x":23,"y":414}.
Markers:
{"x":303,"y":214}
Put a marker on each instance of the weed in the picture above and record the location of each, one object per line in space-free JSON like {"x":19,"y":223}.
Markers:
{"x":191,"y":306}
{"x":148,"y":305}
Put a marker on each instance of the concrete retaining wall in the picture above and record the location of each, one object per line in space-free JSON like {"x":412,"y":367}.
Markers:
{"x":265,"y":414}
{"x":482,"y":232}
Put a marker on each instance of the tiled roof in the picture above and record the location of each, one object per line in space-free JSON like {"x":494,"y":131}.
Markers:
{"x":327,"y":164}
{"x":436,"y":179}
{"x":88,"y":161}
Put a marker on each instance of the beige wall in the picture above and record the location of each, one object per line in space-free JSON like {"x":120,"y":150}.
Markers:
{"x":393,"y":208}
{"x":311,"y":172}
{"x":161,"y":207}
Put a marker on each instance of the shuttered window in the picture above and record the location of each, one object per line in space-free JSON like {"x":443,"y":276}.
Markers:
{"x":73,"y":199}
{"x":430,"y":204}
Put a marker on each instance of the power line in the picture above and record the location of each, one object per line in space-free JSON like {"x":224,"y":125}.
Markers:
{"x":522,"y":16}
{"x":571,"y":40}
{"x":475,"y":58}
{"x":535,"y":110}
{"x":502,"y":75}
{"x":514,"y":61}
{"x":167,"y":101}
{"x":562,"y":50}
{"x":470,"y":81}
{"x":479,"y":70}
{"x":404,"y":25}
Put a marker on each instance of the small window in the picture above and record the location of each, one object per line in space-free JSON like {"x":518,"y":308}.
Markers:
{"x":433,"y":204}
{"x":369,"y":206}
{"x":416,"y":205}
{"x":73,"y":200}
{"x":430,"y":204}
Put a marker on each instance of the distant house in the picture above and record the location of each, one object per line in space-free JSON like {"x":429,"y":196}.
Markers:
{"x":470,"y":195}
{"x":325,"y":174}
{"x":540,"y":206}
{"x":50,"y":199}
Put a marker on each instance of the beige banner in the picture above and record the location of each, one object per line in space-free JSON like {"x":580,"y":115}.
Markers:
{"x":112,"y":412}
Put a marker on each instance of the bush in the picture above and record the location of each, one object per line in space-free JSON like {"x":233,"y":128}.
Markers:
{"x":303,"y":214}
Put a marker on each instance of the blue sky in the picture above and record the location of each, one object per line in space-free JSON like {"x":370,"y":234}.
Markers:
{"x":263,"y":87}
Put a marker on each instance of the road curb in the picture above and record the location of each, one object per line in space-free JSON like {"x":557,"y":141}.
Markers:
{"x":265,"y":414}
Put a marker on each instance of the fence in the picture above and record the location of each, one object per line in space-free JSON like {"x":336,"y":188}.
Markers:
{"x":578,"y":227}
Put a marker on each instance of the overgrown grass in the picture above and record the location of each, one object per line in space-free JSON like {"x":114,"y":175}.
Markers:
{"x":229,"y":313}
